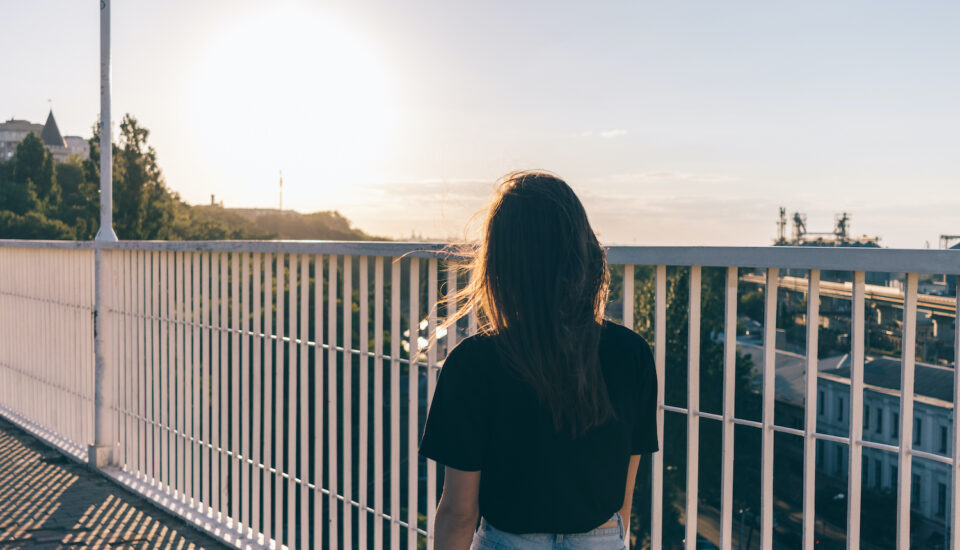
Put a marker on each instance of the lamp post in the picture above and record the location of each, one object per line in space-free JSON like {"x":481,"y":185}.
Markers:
{"x":100,"y":452}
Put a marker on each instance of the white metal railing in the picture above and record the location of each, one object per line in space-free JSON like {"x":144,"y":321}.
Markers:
{"x":241,"y":401}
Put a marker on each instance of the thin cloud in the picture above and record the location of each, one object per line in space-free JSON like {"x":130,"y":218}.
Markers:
{"x":662,"y":176}
{"x":605,"y":134}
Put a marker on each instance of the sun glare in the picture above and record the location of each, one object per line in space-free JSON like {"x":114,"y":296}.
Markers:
{"x":297,"y":90}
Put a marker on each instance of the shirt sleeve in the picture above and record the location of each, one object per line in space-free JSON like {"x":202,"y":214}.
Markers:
{"x":644,"y":439}
{"x":455,"y":431}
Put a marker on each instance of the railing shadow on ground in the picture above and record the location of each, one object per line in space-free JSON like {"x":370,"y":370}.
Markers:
{"x":47,"y":500}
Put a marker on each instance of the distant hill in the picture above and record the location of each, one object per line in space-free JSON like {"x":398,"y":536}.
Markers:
{"x":264,"y":223}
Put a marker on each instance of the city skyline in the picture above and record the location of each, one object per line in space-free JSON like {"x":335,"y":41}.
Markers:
{"x":689,"y":136}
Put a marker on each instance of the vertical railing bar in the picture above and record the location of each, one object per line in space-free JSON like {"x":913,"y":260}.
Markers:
{"x":955,"y":471}
{"x":333,"y":533}
{"x":810,"y":412}
{"x":394,"y":401}
{"x":450,"y":303}
{"x":904,"y":459}
{"x":693,"y":407}
{"x":149,"y":287}
{"x":244,"y":401}
{"x":431,"y":386}
{"x":628,"y":295}
{"x":319,"y":400}
{"x":225,"y":376}
{"x":769,"y":387}
{"x":256,"y":385}
{"x":207,"y":454}
{"x":660,"y":359}
{"x":185,"y":382}
{"x":236,"y":467}
{"x":216,"y":386}
{"x":268,"y":417}
{"x":195,"y":380}
{"x":181,"y":304}
{"x":363,"y":291}
{"x":129,"y":433}
{"x":378,"y":401}
{"x":413,"y":379}
{"x":347,"y":421}
{"x":304,"y":398}
{"x":279,"y":418}
{"x":163,"y":439}
{"x":292,"y":411}
{"x":141,"y":366}
{"x":854,"y":472}
{"x":729,"y":408}
{"x":133,"y":372}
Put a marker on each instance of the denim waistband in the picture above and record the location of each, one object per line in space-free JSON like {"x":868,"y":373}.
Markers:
{"x":489,"y":537}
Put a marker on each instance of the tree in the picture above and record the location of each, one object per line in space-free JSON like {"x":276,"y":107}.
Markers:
{"x":33,"y":163}
{"x":32,"y":225}
{"x":79,"y":199}
{"x":675,"y":390}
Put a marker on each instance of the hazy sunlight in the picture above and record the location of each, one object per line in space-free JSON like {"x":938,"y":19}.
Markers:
{"x":299,"y":90}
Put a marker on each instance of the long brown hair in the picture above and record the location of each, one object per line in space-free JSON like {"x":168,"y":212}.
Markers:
{"x":539,"y":280}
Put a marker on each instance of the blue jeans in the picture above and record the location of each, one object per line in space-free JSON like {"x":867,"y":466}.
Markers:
{"x":488,"y":537}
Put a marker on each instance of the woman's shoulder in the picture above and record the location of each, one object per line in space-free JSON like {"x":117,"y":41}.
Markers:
{"x":617,"y":335}
{"x":620,"y":341}
{"x":469,"y":355}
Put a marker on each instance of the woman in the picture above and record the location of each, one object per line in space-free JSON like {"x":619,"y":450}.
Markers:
{"x":540,"y":419}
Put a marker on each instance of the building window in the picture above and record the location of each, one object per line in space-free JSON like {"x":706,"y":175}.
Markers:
{"x":866,"y":417}
{"x":838,"y":467}
{"x":820,"y":453}
{"x":839,"y":408}
{"x":878,"y":473}
{"x":895,"y":428}
{"x":943,"y":439}
{"x":941,"y":500}
{"x":878,"y":425}
{"x":893,"y":476}
{"x":915,"y":490}
{"x":820,"y":403}
{"x":917,"y":431}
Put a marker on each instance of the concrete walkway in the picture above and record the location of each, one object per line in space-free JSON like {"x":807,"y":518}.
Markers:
{"x":48,"y":501}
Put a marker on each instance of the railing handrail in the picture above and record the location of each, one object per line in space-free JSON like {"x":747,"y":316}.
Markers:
{"x":892,"y":260}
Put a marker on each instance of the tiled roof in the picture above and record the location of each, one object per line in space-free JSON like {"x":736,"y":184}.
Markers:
{"x":884,"y":372}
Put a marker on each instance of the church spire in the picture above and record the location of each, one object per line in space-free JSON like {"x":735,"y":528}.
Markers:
{"x":51,"y":134}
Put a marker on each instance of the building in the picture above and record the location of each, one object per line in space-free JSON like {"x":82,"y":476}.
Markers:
{"x":13,"y":131}
{"x":932,"y":428}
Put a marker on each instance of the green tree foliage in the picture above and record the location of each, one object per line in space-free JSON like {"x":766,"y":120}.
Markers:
{"x":41,"y":199}
{"x":33,"y":164}
{"x":675,"y":390}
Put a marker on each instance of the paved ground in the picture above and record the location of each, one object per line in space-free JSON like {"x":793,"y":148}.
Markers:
{"x":48,"y":501}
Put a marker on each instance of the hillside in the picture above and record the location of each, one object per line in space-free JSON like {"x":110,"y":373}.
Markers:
{"x":254,"y":223}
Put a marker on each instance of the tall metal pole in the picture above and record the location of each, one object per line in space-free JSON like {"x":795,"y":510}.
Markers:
{"x":100,"y":453}
{"x":106,"y":142}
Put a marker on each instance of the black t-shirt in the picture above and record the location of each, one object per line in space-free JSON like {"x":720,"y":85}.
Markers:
{"x":535,"y":480}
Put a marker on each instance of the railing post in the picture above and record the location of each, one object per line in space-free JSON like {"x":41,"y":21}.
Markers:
{"x":100,"y":453}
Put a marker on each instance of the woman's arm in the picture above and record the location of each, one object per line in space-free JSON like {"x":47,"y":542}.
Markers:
{"x":628,"y":494}
{"x":459,"y":509}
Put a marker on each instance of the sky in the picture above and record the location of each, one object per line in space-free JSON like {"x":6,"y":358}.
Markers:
{"x":678,"y":123}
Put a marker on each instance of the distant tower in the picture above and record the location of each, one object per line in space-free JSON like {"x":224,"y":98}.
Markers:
{"x":799,"y":226}
{"x":841,"y":223}
{"x":281,"y":190}
{"x":782,"y":226}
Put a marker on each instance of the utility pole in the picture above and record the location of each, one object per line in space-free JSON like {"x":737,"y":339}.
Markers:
{"x":281,"y":191}
{"x":100,"y":453}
